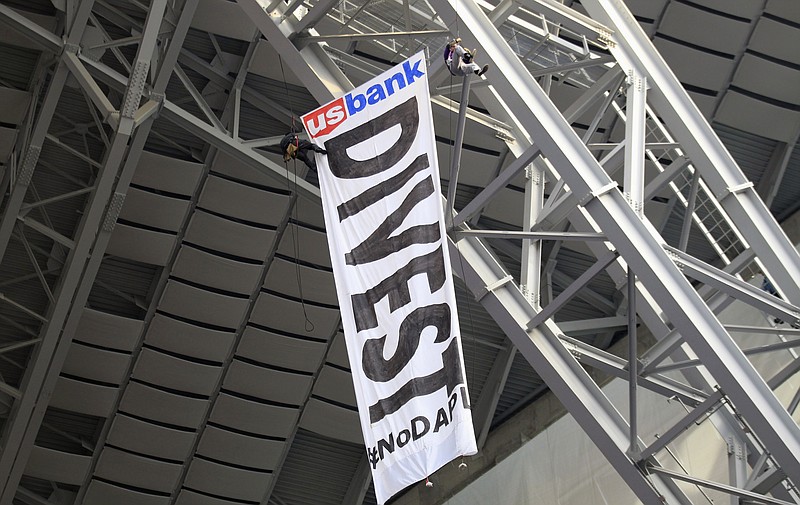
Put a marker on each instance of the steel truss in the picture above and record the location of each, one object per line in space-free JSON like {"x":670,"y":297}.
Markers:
{"x":130,"y":125}
{"x":671,"y":308}
{"x":584,"y":203}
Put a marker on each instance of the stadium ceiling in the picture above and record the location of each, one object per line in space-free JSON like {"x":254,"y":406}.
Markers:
{"x":169,"y":331}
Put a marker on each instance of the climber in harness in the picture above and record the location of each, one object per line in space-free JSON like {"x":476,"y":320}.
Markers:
{"x":293,"y":147}
{"x":460,"y":61}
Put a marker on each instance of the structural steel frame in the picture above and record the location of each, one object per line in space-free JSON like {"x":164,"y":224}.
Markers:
{"x":730,"y":392}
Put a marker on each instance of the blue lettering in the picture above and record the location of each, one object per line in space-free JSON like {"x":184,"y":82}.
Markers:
{"x":375,"y":94}
{"x":412,"y":72}
{"x":354,"y":103}
{"x":398,"y":78}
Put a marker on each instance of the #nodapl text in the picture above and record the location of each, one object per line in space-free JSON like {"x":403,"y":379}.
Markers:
{"x":418,"y":427}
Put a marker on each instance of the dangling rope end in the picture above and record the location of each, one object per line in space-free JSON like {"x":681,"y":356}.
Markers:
{"x":428,"y":483}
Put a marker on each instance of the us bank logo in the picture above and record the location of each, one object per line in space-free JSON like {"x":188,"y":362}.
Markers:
{"x":325,"y":119}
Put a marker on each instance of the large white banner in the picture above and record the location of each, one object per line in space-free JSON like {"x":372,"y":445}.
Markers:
{"x":383,"y":211}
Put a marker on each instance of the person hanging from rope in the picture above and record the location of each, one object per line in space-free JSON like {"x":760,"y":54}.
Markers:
{"x":293,"y":147}
{"x":460,"y":61}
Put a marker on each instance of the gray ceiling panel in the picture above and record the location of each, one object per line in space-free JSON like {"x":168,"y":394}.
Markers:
{"x":107,"y":330}
{"x":169,"y":371}
{"x":167,"y":174}
{"x":222,"y":18}
{"x":305,"y":244}
{"x":506,"y":208}
{"x":706,"y":104}
{"x":150,"y":439}
{"x":748,"y":10}
{"x":157,"y":405}
{"x":332,"y":421}
{"x":756,"y":116}
{"x":8,"y":137}
{"x":280,"y":350}
{"x":157,"y":211}
{"x":244,"y":202}
{"x":776,"y":39}
{"x":202,"y":306}
{"x":317,"y":285}
{"x":227,"y":481}
{"x":232,"y":167}
{"x":13,"y":105}
{"x":335,"y":384}
{"x":146,"y":246}
{"x":223,"y":235}
{"x":702,"y":28}
{"x":189,"y":497}
{"x":58,"y":466}
{"x":337,"y":354}
{"x":787,"y":9}
{"x":695,"y":67}
{"x":190,"y":340}
{"x":253,"y":417}
{"x":784,"y":86}
{"x":272,"y":385}
{"x":216,"y":271}
{"x":133,"y":470}
{"x":97,"y":364}
{"x":101,"y":493}
{"x":290,"y":316}
{"x":84,"y":397}
{"x":238,"y":449}
{"x":308,"y":212}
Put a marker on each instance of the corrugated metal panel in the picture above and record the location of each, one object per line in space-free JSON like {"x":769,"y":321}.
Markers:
{"x":751,"y":152}
{"x":317,"y":470}
{"x":131,"y":280}
{"x":522,"y":380}
{"x":18,"y":65}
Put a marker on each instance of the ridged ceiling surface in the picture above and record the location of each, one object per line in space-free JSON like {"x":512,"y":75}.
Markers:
{"x":208,"y":366}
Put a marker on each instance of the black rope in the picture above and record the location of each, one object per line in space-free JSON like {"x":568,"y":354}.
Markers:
{"x":309,"y":325}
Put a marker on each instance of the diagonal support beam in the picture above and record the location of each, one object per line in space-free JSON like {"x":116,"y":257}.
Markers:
{"x":33,"y":149}
{"x":30,"y":30}
{"x":634,"y":239}
{"x":566,"y":295}
{"x":734,"y":287}
{"x":83,"y":261}
{"x":311,"y":65}
{"x":484,"y":409}
{"x":236,"y":149}
{"x":717,"y":167}
{"x":559,"y":369}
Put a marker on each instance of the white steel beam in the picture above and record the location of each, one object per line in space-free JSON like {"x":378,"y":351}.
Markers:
{"x":634,"y":239}
{"x":484,"y":408}
{"x":315,"y":15}
{"x":320,"y":75}
{"x":559,"y":369}
{"x":719,"y":170}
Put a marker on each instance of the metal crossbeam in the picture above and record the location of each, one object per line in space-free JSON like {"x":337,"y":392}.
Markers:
{"x":35,"y":143}
{"x":634,"y":240}
{"x":562,"y":373}
{"x":81,"y":267}
{"x":701,"y":144}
